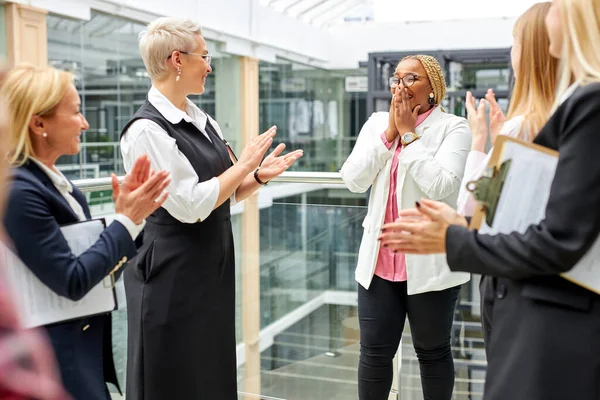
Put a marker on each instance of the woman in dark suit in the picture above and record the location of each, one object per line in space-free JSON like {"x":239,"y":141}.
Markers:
{"x":181,"y":292}
{"x":46,"y":123}
{"x":38,"y":378}
{"x":545,"y":344}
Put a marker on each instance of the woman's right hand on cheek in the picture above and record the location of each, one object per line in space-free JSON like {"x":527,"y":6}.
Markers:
{"x":391,"y":132}
{"x":477,"y":122}
{"x":254,"y":152}
{"x":138,"y":204}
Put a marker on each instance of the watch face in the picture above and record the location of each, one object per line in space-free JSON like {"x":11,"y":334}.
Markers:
{"x":407,"y":137}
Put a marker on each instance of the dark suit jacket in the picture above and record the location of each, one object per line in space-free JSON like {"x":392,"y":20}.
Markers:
{"x":34,"y":214}
{"x":545,"y":336}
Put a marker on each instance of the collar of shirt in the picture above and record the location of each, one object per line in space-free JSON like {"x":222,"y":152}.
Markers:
{"x":56,"y":177}
{"x":422,"y":117}
{"x":173,"y":114}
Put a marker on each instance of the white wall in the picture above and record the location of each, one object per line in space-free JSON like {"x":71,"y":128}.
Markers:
{"x":353,"y":43}
{"x":244,"y":27}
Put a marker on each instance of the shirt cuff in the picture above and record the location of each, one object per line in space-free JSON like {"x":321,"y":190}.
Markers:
{"x":133,"y":229}
{"x":385,"y":141}
{"x":474,"y":163}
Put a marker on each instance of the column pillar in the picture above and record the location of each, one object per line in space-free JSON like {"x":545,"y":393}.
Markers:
{"x":26,"y":35}
{"x":250,"y":233}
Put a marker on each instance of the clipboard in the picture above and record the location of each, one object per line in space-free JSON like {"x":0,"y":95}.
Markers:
{"x":487,"y":189}
{"x":38,"y":304}
{"x":512,"y":194}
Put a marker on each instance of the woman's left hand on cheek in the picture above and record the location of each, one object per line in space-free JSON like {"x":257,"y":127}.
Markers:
{"x":405,"y":116}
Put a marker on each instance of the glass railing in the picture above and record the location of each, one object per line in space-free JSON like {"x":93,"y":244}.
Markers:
{"x":310,"y":231}
{"x":100,"y":159}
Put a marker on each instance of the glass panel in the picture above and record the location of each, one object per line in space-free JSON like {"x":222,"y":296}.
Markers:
{"x":308,"y":303}
{"x":304,"y":251}
{"x":312,"y":111}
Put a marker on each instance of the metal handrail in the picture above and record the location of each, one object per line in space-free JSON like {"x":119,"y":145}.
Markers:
{"x":327,"y":178}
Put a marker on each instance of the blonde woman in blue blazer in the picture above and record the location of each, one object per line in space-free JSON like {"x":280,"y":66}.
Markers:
{"x":47,"y":123}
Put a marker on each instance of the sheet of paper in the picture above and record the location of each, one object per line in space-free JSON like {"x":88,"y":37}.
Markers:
{"x":526,"y":189}
{"x":523,"y":203}
{"x":41,"y":306}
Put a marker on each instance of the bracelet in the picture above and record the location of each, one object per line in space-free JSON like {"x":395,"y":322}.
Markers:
{"x":258,"y":179}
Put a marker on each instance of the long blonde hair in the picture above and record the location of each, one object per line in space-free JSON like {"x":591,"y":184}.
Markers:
{"x":580,"y":60}
{"x":30,"y":91}
{"x":4,"y":131}
{"x":535,"y":86}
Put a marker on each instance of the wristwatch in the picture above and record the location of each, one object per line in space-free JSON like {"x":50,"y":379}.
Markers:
{"x":408,"y":137}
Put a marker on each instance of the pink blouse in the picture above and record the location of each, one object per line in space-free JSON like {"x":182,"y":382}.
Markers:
{"x":392,"y":266}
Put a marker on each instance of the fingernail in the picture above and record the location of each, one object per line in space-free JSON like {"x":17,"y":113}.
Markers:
{"x":418,"y":204}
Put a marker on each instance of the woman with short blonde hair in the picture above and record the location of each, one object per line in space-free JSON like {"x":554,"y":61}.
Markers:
{"x":181,"y":291}
{"x":159,"y":40}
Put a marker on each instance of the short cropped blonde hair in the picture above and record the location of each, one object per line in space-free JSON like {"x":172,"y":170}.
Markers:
{"x":31,"y":91}
{"x":162,"y":37}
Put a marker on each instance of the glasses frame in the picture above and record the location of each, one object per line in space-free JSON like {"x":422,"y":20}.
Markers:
{"x":207,"y":57}
{"x":394,"y":78}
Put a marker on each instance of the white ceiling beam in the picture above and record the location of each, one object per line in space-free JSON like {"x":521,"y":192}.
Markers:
{"x":313,"y":6}
{"x":328,"y":22}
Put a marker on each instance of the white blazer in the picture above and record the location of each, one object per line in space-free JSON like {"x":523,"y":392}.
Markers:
{"x":431,"y":167}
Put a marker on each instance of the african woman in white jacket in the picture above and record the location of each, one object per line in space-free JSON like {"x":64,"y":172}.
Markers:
{"x":416,"y":150}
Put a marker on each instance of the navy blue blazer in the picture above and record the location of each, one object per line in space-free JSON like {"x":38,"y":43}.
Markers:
{"x":36,"y":210}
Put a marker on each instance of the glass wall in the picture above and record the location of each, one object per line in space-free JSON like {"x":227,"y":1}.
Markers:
{"x":312,"y":111}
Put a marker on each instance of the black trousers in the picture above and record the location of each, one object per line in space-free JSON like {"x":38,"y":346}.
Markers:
{"x":382,"y":311}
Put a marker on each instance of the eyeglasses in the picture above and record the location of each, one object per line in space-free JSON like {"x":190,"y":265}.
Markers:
{"x":207,"y":57}
{"x":407,"y":80}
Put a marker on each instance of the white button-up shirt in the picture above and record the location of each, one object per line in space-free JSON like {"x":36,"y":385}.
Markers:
{"x":65,"y":188}
{"x":189,"y":199}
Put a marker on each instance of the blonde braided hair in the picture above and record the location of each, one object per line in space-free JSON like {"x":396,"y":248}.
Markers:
{"x":434,"y":73}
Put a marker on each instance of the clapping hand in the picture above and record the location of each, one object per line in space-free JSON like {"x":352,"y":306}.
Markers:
{"x":477,"y":122}
{"x":497,"y":117}
{"x":142,"y":191}
{"x":254,"y":152}
{"x":140,"y":172}
{"x":275,"y":164}
{"x":421,"y":230}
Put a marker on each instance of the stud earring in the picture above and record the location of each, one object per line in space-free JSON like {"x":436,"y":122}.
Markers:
{"x":431,"y":100}
{"x":44,"y":134}
{"x":178,"y":74}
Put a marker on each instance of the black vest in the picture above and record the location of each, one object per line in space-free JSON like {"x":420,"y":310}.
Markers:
{"x":208,"y":159}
